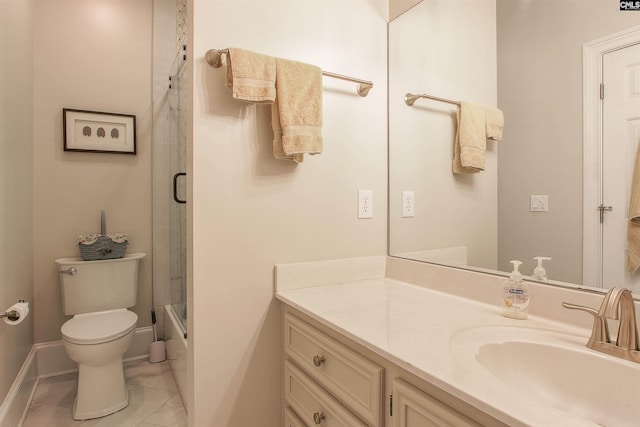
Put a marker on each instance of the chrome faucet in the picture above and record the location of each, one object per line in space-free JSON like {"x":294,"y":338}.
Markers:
{"x":617,"y":303}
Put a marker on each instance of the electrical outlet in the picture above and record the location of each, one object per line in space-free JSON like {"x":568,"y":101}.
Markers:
{"x":539,"y":203}
{"x":365,"y":204}
{"x":408,"y":204}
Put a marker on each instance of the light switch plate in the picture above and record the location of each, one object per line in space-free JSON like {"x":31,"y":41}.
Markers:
{"x":539,"y":203}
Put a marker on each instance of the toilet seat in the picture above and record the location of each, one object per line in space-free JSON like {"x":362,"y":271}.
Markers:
{"x":100,"y":327}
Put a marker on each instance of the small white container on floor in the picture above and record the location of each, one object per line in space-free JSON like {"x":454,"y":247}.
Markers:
{"x":157,"y":352}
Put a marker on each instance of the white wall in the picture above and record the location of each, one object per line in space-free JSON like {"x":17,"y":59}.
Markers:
{"x":92,"y":56}
{"x":250,"y":211}
{"x":446,"y":49}
{"x":16,"y":182}
{"x":540,"y":91}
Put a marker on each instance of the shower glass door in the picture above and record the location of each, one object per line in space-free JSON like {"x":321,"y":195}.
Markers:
{"x":177,"y":180}
{"x":169,"y":164}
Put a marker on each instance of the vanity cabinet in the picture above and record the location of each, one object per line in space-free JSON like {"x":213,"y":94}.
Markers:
{"x":331,"y":381}
{"x":323,"y":377}
{"x":414,"y":408}
{"x":312,"y":404}
{"x":291,"y":419}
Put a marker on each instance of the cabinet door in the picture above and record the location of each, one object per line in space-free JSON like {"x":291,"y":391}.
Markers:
{"x":414,"y":408}
{"x":312,"y":403}
{"x":350,"y":377}
{"x":291,"y":419}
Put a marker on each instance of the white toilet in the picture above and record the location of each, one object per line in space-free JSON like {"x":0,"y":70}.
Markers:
{"x":97,"y":294}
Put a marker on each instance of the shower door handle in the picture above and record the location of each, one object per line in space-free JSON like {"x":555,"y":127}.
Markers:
{"x":175,"y":187}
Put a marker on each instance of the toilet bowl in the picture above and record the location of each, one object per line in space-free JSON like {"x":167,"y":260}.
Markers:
{"x":97,"y":342}
{"x":97,"y":294}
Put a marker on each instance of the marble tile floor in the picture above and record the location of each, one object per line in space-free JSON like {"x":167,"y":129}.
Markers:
{"x":153,"y":400}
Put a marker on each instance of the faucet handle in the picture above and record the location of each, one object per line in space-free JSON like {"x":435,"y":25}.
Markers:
{"x":600,"y":330}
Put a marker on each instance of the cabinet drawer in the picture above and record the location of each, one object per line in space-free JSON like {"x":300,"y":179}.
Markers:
{"x":352,"y":379}
{"x":414,"y":408}
{"x":291,"y":419}
{"x":312,"y":403}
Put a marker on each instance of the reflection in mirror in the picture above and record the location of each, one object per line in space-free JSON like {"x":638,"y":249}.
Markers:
{"x":526,"y":58}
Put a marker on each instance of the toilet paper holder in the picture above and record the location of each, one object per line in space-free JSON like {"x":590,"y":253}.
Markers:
{"x":12,"y":314}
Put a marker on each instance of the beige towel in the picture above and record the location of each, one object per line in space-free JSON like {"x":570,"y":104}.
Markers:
{"x":494,"y":121}
{"x":296,"y":116}
{"x":251,"y":76}
{"x":633,"y":225}
{"x":278,"y":151}
{"x":471,"y":142}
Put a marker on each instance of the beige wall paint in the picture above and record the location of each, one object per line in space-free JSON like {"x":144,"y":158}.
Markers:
{"x":250,"y":211}
{"x":397,"y":7}
{"x":16,"y":181}
{"x":540,"y":91}
{"x":93,"y":56}
{"x":446,"y":49}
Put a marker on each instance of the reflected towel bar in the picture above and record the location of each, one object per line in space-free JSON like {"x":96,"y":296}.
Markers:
{"x":410,"y":99}
{"x":214,"y":58}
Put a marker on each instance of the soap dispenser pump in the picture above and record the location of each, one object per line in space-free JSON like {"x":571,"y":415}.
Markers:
{"x":539,"y":273}
{"x":515,"y":294}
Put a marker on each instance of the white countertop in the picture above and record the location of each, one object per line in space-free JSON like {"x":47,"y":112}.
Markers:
{"x":415,"y":328}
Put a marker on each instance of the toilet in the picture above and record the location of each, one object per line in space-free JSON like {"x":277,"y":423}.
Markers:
{"x":97,"y":294}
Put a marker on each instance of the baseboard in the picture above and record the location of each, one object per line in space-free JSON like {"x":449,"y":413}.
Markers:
{"x":47,"y":360}
{"x":19,"y":397}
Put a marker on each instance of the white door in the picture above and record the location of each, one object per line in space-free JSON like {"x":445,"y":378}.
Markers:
{"x":621,"y":132}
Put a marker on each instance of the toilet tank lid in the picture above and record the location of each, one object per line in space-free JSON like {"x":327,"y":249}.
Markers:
{"x":98,"y":327}
{"x":63,"y":261}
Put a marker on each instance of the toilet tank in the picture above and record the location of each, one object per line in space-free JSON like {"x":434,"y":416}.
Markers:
{"x":98,"y":285}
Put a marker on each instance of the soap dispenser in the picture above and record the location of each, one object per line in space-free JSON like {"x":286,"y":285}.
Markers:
{"x":539,"y":273}
{"x":515,"y":294}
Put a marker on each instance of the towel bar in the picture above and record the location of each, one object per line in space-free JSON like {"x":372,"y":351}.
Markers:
{"x":214,"y":58}
{"x":410,"y":99}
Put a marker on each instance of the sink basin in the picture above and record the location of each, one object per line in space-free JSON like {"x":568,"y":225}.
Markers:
{"x":554,"y":370}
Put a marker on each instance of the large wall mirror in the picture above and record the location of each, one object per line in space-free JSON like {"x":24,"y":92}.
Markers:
{"x":526,"y":58}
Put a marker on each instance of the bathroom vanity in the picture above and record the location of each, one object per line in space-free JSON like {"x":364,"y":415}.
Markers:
{"x":362,"y":348}
{"x":331,"y":380}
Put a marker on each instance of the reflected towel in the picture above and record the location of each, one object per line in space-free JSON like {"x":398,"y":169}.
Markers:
{"x":471,"y":142}
{"x":251,"y":76}
{"x":633,"y":224}
{"x":494,"y":121}
{"x":296,"y":116}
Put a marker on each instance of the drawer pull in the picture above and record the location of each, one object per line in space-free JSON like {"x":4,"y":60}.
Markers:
{"x":318,"y":417}
{"x":318,"y":360}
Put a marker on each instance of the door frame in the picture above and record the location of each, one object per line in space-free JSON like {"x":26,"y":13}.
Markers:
{"x":592,"y":58}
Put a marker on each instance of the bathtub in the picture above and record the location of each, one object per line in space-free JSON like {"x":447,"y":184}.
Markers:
{"x":176,"y":342}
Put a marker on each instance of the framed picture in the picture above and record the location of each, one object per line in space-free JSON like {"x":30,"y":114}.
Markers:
{"x":98,"y":132}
